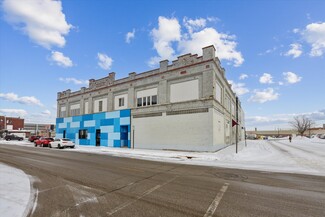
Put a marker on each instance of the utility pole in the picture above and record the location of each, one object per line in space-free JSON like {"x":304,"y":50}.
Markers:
{"x":237,"y":124}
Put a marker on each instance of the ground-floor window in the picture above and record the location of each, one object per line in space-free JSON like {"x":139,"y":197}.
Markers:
{"x":83,"y":134}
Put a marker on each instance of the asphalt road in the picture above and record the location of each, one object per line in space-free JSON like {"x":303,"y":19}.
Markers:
{"x":82,"y":184}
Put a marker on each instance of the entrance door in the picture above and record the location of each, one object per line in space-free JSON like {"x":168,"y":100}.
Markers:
{"x":97,"y":137}
{"x":63,"y":133}
{"x":124,"y":136}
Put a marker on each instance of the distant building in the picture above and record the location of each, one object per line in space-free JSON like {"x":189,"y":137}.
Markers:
{"x":47,"y":130}
{"x":11,"y":123}
{"x":188,"y":105}
{"x":286,"y":132}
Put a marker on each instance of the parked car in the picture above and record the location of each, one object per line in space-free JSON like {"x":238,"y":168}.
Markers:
{"x":43,"y":142}
{"x":62,"y":143}
{"x":13,"y":137}
{"x":33,"y":138}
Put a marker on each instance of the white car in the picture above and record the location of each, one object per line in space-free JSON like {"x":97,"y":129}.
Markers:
{"x":62,"y":143}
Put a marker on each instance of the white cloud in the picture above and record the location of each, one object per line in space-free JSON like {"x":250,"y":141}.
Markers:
{"x":28,"y":100}
{"x":42,"y":20}
{"x":295,"y":50}
{"x":60,"y":59}
{"x":129,"y":36}
{"x":243,"y":76}
{"x":291,"y":77}
{"x":104,"y":61}
{"x":275,"y":121}
{"x":169,"y":30}
{"x":314,"y":34}
{"x":74,"y":81}
{"x":238,"y":88}
{"x":264,"y":95}
{"x":14,"y":112}
{"x":196,"y":24}
{"x":224,"y":44}
{"x":266,"y":79}
{"x":196,"y":36}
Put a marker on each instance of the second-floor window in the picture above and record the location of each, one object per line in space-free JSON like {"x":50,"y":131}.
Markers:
{"x":147,"y":101}
{"x":100,"y":106}
{"x":121,"y":102}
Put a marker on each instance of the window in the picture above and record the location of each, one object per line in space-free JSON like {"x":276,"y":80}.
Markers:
{"x":83,"y":134}
{"x":121,"y":102}
{"x":148,"y":100}
{"x":100,"y":106}
{"x":75,"y":112}
{"x":139,"y":102}
{"x":144,"y":101}
{"x":154,"y":100}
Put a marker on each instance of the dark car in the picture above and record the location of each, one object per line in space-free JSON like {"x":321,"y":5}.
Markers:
{"x":13,"y":137}
{"x":33,"y":138}
{"x":43,"y":142}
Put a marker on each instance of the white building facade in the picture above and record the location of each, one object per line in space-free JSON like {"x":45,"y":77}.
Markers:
{"x":187,"y":105}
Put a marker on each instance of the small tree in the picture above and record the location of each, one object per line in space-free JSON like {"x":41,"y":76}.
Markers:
{"x":301,"y":124}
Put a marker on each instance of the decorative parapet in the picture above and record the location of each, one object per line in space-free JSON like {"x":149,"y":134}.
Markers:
{"x":181,"y":61}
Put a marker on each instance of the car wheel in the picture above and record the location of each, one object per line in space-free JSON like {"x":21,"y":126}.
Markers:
{"x":50,"y":146}
{"x":8,"y":139}
{"x":72,"y":146}
{"x":59,"y":146}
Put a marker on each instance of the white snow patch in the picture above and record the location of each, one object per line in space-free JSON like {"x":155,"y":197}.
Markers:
{"x":15,"y":188}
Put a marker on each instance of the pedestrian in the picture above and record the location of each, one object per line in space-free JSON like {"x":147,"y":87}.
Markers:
{"x":290,"y":138}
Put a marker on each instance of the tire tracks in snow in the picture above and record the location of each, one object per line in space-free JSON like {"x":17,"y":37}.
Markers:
{"x":303,"y":162}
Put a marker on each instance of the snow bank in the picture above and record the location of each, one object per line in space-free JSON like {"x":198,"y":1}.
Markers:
{"x":14,"y":192}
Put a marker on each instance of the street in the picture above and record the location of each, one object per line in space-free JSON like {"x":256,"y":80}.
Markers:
{"x":86,"y":184}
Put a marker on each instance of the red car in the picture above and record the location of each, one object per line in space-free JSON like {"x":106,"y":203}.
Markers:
{"x":43,"y":142}
{"x":33,"y":138}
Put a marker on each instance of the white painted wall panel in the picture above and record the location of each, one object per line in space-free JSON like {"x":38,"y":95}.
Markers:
{"x":178,"y":132}
{"x":184,"y":91}
{"x":147,"y":92}
{"x":218,"y":129}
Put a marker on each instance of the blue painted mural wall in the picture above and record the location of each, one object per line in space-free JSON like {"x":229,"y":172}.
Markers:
{"x":115,"y":128}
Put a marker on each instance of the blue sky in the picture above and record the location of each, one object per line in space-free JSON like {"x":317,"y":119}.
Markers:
{"x":273,"y":51}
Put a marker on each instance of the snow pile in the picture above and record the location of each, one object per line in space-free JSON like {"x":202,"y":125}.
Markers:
{"x":14,"y":191}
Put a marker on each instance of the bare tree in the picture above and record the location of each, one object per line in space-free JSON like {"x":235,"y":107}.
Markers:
{"x":301,"y":124}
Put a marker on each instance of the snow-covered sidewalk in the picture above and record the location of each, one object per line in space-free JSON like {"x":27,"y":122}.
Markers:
{"x":263,"y":155}
{"x":15,"y":192}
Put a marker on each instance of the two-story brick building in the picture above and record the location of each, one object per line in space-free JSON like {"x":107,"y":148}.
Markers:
{"x":187,"y":105}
